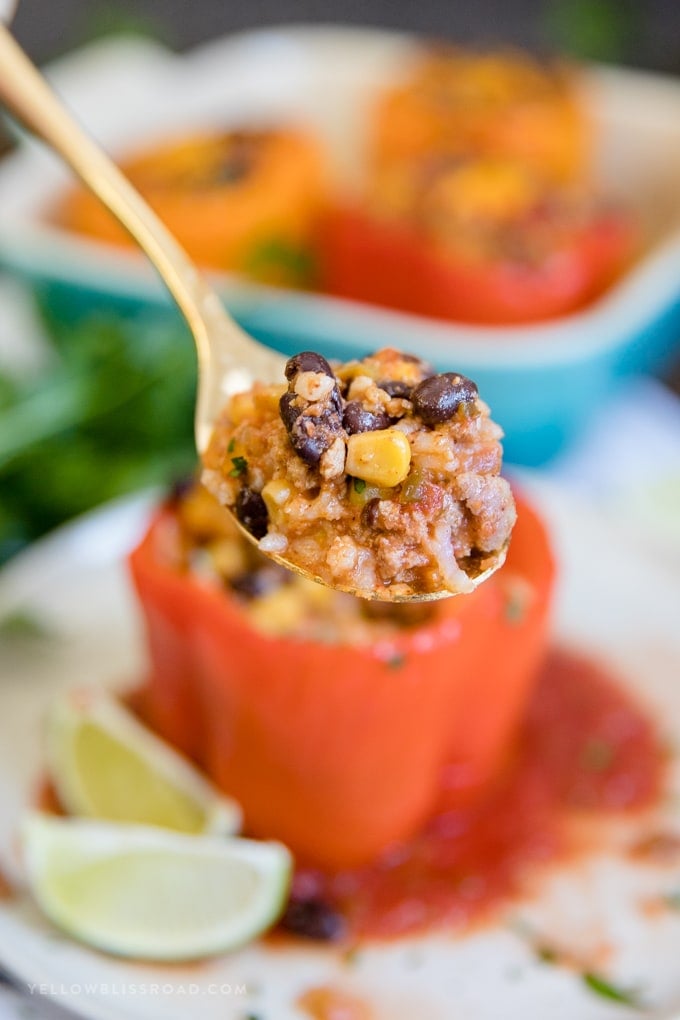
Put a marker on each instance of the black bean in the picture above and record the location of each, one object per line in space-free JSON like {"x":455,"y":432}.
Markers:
{"x":290,"y":409}
{"x":438,"y":398}
{"x":311,"y":434}
{"x":335,"y":400}
{"x":357,"y":419}
{"x":413,"y":359}
{"x":313,"y":919}
{"x":369,"y":514}
{"x":310,"y":445}
{"x":307,"y":361}
{"x":252,"y":512}
{"x":396,"y":388}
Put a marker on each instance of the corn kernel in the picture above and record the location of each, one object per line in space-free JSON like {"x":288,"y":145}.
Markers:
{"x":356,"y":368}
{"x":316,"y":595}
{"x":381,"y":458}
{"x":241,"y":407}
{"x":203,"y":517}
{"x":229,"y":556}
{"x":275,"y":494}
{"x":279,"y":612}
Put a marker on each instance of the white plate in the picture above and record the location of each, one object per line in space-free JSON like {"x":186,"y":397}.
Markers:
{"x":613,"y":599}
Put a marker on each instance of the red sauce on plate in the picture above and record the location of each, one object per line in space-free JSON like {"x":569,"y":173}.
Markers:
{"x":327,"y":1003}
{"x":585,"y":746}
{"x":585,"y":749}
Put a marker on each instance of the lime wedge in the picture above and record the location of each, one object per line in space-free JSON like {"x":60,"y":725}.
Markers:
{"x":149,"y":894}
{"x":105,"y":764}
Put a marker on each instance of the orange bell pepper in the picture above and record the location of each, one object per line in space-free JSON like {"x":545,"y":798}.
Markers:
{"x":245,"y":201}
{"x":339,"y":750}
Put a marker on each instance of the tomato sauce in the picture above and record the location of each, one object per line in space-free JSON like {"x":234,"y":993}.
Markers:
{"x":326,"y":1003}
{"x":585,"y":746}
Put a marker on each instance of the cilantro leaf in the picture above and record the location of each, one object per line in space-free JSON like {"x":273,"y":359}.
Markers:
{"x":601,"y":986}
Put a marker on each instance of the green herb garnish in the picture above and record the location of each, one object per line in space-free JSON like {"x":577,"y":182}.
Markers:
{"x":232,"y":445}
{"x":240,"y":466}
{"x":596,"y":983}
{"x":116,"y":390}
{"x":593,"y":29}
{"x":546,"y":953}
{"x":359,"y":485}
{"x":23,"y":625}
{"x":277,"y":260}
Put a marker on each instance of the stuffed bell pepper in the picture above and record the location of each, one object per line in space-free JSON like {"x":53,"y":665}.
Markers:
{"x":502,"y":104}
{"x":478,"y":240}
{"x":329,"y":718}
{"x":243,"y":200}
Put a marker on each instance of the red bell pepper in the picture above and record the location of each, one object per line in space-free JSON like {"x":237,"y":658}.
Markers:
{"x":506,"y":638}
{"x":339,"y":750}
{"x":391,"y":264}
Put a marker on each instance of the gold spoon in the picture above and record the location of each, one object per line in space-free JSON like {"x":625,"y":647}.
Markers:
{"x":229,"y":360}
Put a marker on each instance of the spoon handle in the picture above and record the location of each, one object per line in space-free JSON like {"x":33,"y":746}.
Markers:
{"x":27,"y":95}
{"x":228,"y":358}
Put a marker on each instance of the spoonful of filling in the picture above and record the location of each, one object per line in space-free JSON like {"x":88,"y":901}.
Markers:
{"x":379,"y":477}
